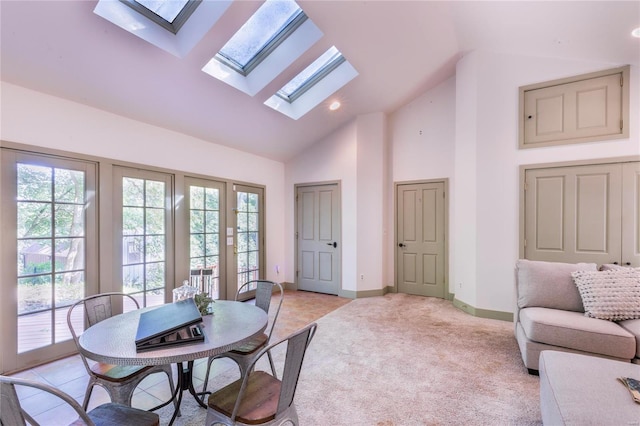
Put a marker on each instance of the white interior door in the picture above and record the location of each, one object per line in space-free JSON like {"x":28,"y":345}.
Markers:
{"x":318,"y":238}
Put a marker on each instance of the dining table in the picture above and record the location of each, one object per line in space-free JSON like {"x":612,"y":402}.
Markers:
{"x":230,"y":325}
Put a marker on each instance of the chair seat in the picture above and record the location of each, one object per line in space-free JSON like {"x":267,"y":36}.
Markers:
{"x":252,"y":345}
{"x":117,"y":373}
{"x":259,"y":404}
{"x":112,"y":414}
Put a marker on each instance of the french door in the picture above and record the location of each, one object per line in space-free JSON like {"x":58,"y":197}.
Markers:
{"x":143,"y":240}
{"x":49,"y":253}
{"x":206,"y":202}
{"x":248,"y":239}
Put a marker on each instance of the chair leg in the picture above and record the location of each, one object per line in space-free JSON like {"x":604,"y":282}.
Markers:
{"x":206,"y":376}
{"x":87,"y":394}
{"x":273,"y":367}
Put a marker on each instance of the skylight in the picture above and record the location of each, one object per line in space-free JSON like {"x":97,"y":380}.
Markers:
{"x":169,"y":14}
{"x":315,"y":72}
{"x":272,"y":23}
{"x":175,"y":26}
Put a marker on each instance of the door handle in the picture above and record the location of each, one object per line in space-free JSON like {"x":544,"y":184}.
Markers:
{"x":628,"y":263}
{"x":401,"y":245}
{"x":334,"y":244}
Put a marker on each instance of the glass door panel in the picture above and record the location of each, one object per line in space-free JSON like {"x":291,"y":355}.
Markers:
{"x":249,"y":230}
{"x":205,"y":206}
{"x":54,"y":216}
{"x":145,"y":216}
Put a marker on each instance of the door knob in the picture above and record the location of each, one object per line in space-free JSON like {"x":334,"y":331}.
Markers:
{"x":615,"y":263}
{"x":628,"y":263}
{"x":334,"y":244}
{"x":401,"y":245}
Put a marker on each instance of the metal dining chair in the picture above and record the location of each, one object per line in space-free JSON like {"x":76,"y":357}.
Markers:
{"x":244,"y":355}
{"x":118,"y":380}
{"x":13,"y":413}
{"x":259,"y":398}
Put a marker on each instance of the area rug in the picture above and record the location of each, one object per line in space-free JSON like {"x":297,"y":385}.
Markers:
{"x":406,"y":360}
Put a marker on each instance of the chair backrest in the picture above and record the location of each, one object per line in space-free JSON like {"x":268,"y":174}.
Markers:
{"x":264,"y":291}
{"x":12,"y":413}
{"x":297,"y":344}
{"x":97,"y":307}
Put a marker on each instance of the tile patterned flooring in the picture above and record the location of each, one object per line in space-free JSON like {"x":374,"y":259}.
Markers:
{"x":69,"y":375}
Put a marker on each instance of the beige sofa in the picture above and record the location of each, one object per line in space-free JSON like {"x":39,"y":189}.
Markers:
{"x":549,"y":315}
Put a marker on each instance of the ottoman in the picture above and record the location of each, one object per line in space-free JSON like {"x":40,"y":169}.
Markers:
{"x":584,"y":390}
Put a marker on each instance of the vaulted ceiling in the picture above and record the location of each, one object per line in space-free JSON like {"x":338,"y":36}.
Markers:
{"x":399,"y":48}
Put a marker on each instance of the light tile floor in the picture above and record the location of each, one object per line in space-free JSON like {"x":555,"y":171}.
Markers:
{"x":69,"y":374}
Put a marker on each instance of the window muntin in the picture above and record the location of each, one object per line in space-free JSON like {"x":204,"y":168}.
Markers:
{"x":169,"y":14}
{"x":315,"y":72}
{"x":272,"y":23}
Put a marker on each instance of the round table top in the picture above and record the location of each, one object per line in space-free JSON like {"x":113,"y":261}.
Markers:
{"x":112,"y":340}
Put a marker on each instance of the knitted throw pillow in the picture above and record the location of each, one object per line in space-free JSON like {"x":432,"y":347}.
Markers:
{"x":610,"y":295}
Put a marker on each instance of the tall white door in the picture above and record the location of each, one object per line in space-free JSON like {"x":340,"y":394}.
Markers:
{"x":318,"y":238}
{"x":420,"y":251}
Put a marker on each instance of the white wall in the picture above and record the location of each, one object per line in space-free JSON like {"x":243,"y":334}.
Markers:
{"x":332,"y":159}
{"x":33,"y":118}
{"x":422,"y":146}
{"x":470,"y":135}
{"x":371,"y":217}
{"x":487,"y":84}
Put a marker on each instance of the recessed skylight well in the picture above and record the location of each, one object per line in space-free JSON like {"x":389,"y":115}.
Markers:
{"x":314,"y":84}
{"x":315,"y":72}
{"x":171,"y":15}
{"x":175,"y":26}
{"x":272,"y":23}
{"x":275,"y":36}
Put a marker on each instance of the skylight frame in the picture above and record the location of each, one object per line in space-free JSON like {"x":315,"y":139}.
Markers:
{"x":334,"y":62}
{"x":174,"y":26}
{"x":276,"y":40}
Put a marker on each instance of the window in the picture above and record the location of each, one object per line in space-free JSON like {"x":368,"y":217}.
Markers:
{"x":315,"y":72}
{"x":272,"y":23}
{"x":169,"y":14}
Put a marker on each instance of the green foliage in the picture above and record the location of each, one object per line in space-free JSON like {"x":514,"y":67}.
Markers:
{"x":202,"y":302}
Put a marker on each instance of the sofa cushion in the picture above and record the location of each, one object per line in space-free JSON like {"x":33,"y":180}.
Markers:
{"x":549,"y":284}
{"x":610,"y":295}
{"x":633,"y":327}
{"x":576,"y":331}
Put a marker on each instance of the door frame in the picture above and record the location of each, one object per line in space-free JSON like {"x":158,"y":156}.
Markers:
{"x":445,"y":181}
{"x":338,"y":184}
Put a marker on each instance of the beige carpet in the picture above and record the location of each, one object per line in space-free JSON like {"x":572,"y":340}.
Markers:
{"x":407,"y":360}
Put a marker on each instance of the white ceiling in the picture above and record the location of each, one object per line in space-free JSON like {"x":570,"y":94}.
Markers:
{"x":400,"y":49}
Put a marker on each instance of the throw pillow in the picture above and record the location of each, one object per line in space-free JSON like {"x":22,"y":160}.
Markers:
{"x":613,"y":267}
{"x":612,"y":295}
{"x":549,"y":284}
